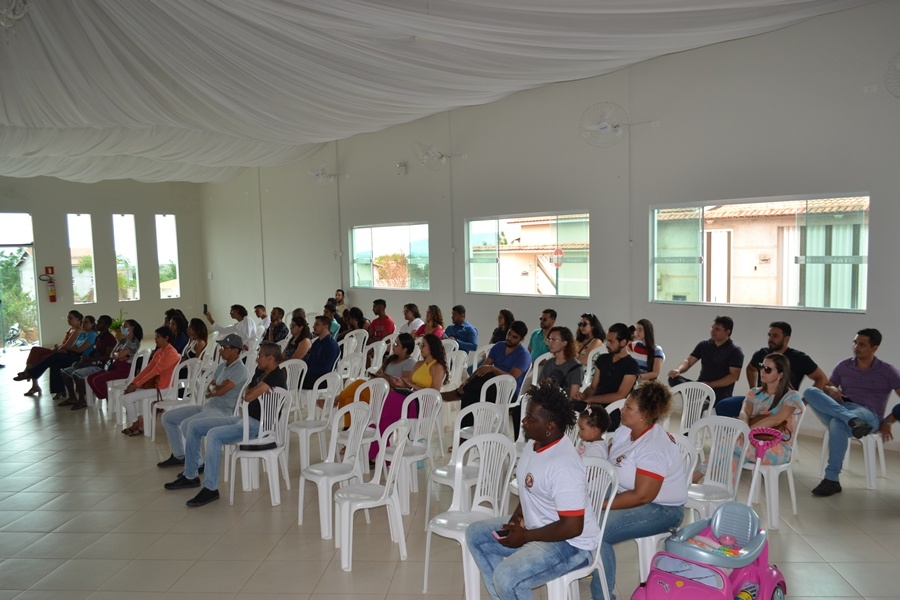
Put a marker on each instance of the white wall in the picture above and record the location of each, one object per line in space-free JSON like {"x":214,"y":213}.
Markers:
{"x":49,"y":200}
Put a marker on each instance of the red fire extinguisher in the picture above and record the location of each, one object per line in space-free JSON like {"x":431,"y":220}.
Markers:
{"x":51,"y":286}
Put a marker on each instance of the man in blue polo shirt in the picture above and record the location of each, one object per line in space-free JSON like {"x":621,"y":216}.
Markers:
{"x":720,"y":360}
{"x":853,"y":403}
{"x":461,"y":330}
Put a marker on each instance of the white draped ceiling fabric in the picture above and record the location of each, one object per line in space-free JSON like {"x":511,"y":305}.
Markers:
{"x":196,"y":90}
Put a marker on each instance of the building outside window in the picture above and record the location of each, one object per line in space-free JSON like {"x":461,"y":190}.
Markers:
{"x":126,"y":257}
{"x":81,"y":248}
{"x":390,"y":256}
{"x":167,"y":256}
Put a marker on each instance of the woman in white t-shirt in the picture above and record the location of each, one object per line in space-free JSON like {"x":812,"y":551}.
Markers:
{"x":644,"y":349}
{"x":412,"y":320}
{"x":652,"y":482}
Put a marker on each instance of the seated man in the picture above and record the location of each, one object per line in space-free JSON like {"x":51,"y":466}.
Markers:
{"x":553,"y":530}
{"x":853,"y":403}
{"x":243,"y":326}
{"x":323,"y":353}
{"x":537,"y":345}
{"x":801,"y":366}
{"x":510,"y":358}
{"x":461,"y":330}
{"x":220,"y":431}
{"x":720,"y":360}
{"x":277,"y":330}
{"x":335,"y":322}
{"x":615,"y":374}
{"x":382,"y":324}
{"x":222,"y":396}
{"x":264,"y":319}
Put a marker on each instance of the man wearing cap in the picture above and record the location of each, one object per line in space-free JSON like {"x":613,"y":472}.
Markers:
{"x":222,"y":396}
{"x":222,"y":430}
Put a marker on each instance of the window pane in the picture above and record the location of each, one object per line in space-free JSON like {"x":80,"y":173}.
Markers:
{"x":783,"y":252}
{"x":16,"y":230}
{"x":392,"y":256}
{"x":167,"y":256}
{"x":126,"y":257}
{"x":541,"y":255}
{"x":81,"y":245}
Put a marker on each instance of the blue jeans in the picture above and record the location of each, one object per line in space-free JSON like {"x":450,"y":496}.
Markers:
{"x":173,"y":421}
{"x":834,"y":416}
{"x":229,"y":430}
{"x":628,"y":524}
{"x":730,"y":407}
{"x":515,"y":572}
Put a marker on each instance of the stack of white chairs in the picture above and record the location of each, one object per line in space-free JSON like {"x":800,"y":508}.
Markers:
{"x":372,"y":494}
{"x":496,"y":456}
{"x":419,"y":446}
{"x":335,"y":469}
{"x":268,"y":445}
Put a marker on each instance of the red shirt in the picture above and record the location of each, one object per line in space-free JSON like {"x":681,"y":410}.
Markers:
{"x":380,"y":327}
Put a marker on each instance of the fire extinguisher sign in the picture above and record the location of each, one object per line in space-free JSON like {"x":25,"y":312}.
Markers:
{"x":48,"y":271}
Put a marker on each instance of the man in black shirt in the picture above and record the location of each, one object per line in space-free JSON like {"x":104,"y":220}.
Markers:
{"x":615,"y":374}
{"x":720,"y":360}
{"x":801,"y":366}
{"x":230,"y":430}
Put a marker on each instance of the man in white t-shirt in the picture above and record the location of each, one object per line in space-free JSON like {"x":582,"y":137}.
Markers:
{"x":412,"y":320}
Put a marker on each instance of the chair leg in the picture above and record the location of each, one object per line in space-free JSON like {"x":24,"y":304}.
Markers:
{"x":301,"y":484}
{"x":790,"y":479}
{"x":398,"y":527}
{"x":325,"y":501}
{"x":427,"y":556}
{"x":274,"y":481}
{"x":428,"y":508}
{"x":869,"y":459}
{"x":770,"y":480}
{"x":233,"y":462}
{"x":471,"y":574}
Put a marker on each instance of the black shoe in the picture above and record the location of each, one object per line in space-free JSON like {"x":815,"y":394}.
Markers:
{"x":183,"y":483}
{"x":172,"y":461}
{"x":204,"y":497}
{"x":70,"y":402}
{"x":827,"y":487}
{"x":859,"y":428}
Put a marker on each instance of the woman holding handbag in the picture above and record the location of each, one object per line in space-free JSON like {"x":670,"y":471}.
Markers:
{"x":150,"y":381}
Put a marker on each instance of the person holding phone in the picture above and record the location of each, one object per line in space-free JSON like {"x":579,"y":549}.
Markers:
{"x":553,"y":530}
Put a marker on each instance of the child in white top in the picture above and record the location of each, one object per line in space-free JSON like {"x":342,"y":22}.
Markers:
{"x":592,"y":424}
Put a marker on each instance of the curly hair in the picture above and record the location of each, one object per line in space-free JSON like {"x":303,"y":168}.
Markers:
{"x":653,"y":400}
{"x":596,"y":416}
{"x":554,"y":404}
{"x":437,"y":353}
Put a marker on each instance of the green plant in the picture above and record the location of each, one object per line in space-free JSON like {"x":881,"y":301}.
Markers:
{"x":117,"y":323}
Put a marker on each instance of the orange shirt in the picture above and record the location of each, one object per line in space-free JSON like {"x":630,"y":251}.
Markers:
{"x":163,"y":363}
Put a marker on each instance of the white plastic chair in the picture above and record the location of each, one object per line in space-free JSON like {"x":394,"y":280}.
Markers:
{"x":536,"y":368}
{"x":613,"y":406}
{"x":505,"y":388}
{"x":457,"y":363}
{"x":274,"y":407}
{"x":116,"y":387}
{"x":697,"y":399}
{"x":317,"y":420}
{"x":372,"y":494}
{"x":771,"y":474}
{"x":170,"y":397}
{"x":602,"y":483}
{"x":374,"y":356}
{"x":450,"y":346}
{"x":589,"y":367}
{"x":725,"y":435}
{"x":296,"y":374}
{"x":284,"y":342}
{"x":647,"y":546}
{"x":479,"y":355}
{"x":419,"y":446}
{"x":873,"y":450}
{"x":351,"y":367}
{"x":389,"y":339}
{"x":496,"y":455}
{"x":361,"y":338}
{"x":488,"y":419}
{"x":347,"y":346}
{"x":335,"y":470}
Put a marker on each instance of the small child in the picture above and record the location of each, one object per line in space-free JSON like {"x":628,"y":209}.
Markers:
{"x":592,"y":424}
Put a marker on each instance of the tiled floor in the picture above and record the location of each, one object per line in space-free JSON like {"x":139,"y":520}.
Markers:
{"x":83,"y":514}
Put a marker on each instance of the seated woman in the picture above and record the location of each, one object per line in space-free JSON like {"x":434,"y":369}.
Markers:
{"x":396,"y":366}
{"x":553,"y":530}
{"x":773,"y":405}
{"x":73,"y":376}
{"x":652,"y":483}
{"x":355,"y":320}
{"x":649,"y":361}
{"x":412,"y":320}
{"x":430,"y":372}
{"x":300,"y":341}
{"x":505,"y":318}
{"x":590,"y":336}
{"x":121,"y":356}
{"x":39,"y":353}
{"x":563,"y":369}
{"x":155,"y":376}
{"x":64,"y":356}
{"x":198,"y":338}
{"x":178,"y":324}
{"x":434,"y":322}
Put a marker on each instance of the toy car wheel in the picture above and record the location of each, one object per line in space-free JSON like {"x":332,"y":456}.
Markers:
{"x":778,"y":593}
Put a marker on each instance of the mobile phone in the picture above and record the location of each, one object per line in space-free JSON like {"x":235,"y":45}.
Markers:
{"x":500,"y":533}
{"x":205,"y":309}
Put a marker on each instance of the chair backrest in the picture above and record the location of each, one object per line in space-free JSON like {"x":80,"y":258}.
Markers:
{"x":359,"y":418}
{"x":727,"y":438}
{"x":326,"y":387}
{"x":450,"y":346}
{"x":480,"y":355}
{"x":458,"y":362}
{"x":273,"y":417}
{"x":351,"y":366}
{"x":201,"y":383}
{"x":397,"y":436}
{"x":602,"y":484}
{"x":589,"y":365}
{"x":239,"y":405}
{"x":378,"y":391}
{"x":249,"y":358}
{"x":347,"y":346}
{"x":139,"y":361}
{"x":536,"y":367}
{"x":689,"y":455}
{"x":696,"y":397}
{"x":524,"y":399}
{"x":798,"y":422}
{"x":361,"y":336}
{"x":430,"y":402}
{"x":374,"y":355}
{"x":260,"y":330}
{"x":617,"y":405}
{"x":486,"y":417}
{"x":573,"y":432}
{"x":192,"y":368}
{"x":284,"y":342}
{"x":737,"y":520}
{"x":505,"y":389}
{"x":296,"y":372}
{"x":496,"y":458}
{"x":390,"y":338}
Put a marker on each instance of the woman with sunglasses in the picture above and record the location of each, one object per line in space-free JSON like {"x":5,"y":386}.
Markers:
{"x":591,"y":335}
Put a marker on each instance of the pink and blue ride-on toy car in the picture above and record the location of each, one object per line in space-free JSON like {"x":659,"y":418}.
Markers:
{"x":724,"y":557}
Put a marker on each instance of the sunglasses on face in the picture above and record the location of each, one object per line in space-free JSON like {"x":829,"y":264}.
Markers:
{"x":583,"y":324}
{"x":768,"y":370}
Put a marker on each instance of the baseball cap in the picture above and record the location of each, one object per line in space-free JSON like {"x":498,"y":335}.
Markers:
{"x":232,"y":340}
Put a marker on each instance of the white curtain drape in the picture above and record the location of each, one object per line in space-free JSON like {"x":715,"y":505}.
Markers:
{"x":191,"y":90}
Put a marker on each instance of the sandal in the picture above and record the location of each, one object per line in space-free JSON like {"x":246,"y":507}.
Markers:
{"x":135,"y":432}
